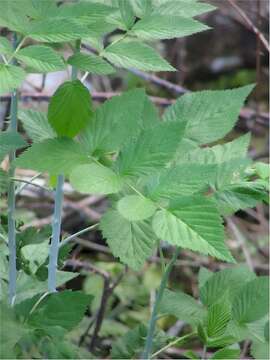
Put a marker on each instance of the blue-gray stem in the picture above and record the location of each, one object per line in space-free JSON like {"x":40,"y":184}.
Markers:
{"x":56,"y":230}
{"x":152,"y":324}
{"x":12,"y":199}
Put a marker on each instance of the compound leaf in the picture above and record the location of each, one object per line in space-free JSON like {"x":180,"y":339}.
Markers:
{"x":132,"y":241}
{"x":56,"y":156}
{"x":11,"y":77}
{"x":210,"y":115}
{"x":166,"y":27}
{"x":36,"y":125}
{"x":91,"y":63}
{"x":193,"y":223}
{"x":134,"y":54}
{"x":63,"y":115}
{"x":135,"y":207}
{"x":41,"y":58}
{"x":95,"y":179}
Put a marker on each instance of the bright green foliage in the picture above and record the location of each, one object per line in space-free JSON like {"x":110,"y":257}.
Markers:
{"x":127,"y":14}
{"x":195,"y":224}
{"x":135,"y":207}
{"x":35,"y":255}
{"x":91,"y":63}
{"x":5,"y":46}
{"x":133,"y":54}
{"x":40,"y":58}
{"x":10,"y":141}
{"x":95,"y":179}
{"x":182,"y":306}
{"x":56,"y":156}
{"x":152,"y":149}
{"x":36,"y":125}
{"x":65,"y":309}
{"x":262,"y":170}
{"x":11,"y":77}
{"x":210,"y":114}
{"x":218,"y":316}
{"x":70,"y":108}
{"x":132,"y":241}
{"x":166,"y":27}
{"x":183,"y":8}
{"x":253,"y":301}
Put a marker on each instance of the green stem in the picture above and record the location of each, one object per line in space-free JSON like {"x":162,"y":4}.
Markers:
{"x":152,"y":324}
{"x":56,"y":230}
{"x":177,"y":341}
{"x":73,"y":236}
{"x":12,"y":199}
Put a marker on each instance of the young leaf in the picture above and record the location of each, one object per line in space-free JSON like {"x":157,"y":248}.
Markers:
{"x":63,"y":108}
{"x":166,"y":27}
{"x":41,"y":58}
{"x":232,"y":280}
{"x":11,"y":77}
{"x":210,"y":114}
{"x":252,"y":302}
{"x":56,"y":156}
{"x":65,"y":309}
{"x":91,"y":63}
{"x":10,"y":141}
{"x":115,"y":122}
{"x":36,"y":125}
{"x":133,"y":242}
{"x":151,"y":150}
{"x":5,"y":46}
{"x":218,"y":317}
{"x":56,"y":29}
{"x":95,"y":179}
{"x":193,"y":223}
{"x":135,"y":207}
{"x":184,"y":179}
{"x":182,"y":306}
{"x":134,"y":54}
{"x":182,"y":8}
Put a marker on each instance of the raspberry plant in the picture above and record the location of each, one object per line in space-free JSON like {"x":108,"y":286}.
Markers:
{"x":166,"y":178}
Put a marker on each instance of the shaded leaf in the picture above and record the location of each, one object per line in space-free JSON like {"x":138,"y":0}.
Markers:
{"x":11,"y":77}
{"x":10,"y":141}
{"x":91,"y":63}
{"x":135,"y":207}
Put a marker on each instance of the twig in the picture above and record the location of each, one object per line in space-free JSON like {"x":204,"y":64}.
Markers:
{"x":250,"y":25}
{"x":21,"y":188}
{"x":73,"y":236}
{"x":179,"y":340}
{"x":30,"y":183}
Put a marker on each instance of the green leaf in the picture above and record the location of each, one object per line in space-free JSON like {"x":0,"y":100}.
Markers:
{"x":260,"y":350}
{"x":11,"y":77}
{"x":56,"y":156}
{"x":252,"y":302}
{"x":182,"y":8}
{"x":262,"y":169}
{"x":64,"y":105}
{"x":3,"y":181}
{"x":210,"y":115}
{"x":41,"y":58}
{"x":218,"y":154}
{"x":115,"y":122}
{"x":56,"y":29}
{"x":184,"y":179}
{"x":203,"y":276}
{"x":136,"y":55}
{"x":232,"y":280}
{"x":226,"y":353}
{"x":13,"y":15}
{"x":36,"y":125}
{"x":133,"y":242}
{"x":35,"y":255}
{"x":182,"y":306}
{"x":5,"y":46}
{"x":127,"y":13}
{"x":65,"y":309}
{"x":166,"y":27}
{"x":135,"y":207}
{"x":10,"y":141}
{"x":41,"y":9}
{"x":151,"y":150}
{"x":141,"y":8}
{"x":91,"y":63}
{"x":193,"y":223}
{"x":218,"y":317}
{"x":95,"y":179}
